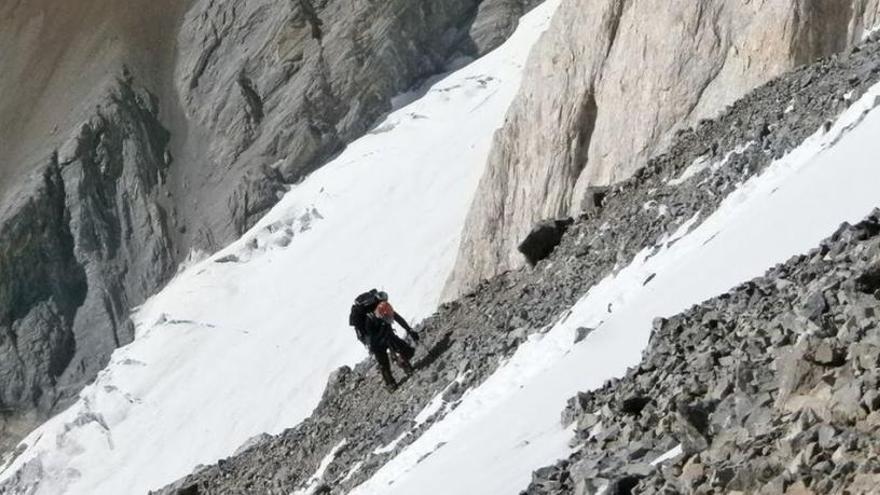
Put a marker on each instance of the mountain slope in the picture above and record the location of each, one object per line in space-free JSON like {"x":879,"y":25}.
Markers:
{"x":768,"y":388}
{"x":135,"y":134}
{"x":509,"y":425}
{"x":242,"y":343}
{"x":505,"y":427}
{"x":699,"y":219}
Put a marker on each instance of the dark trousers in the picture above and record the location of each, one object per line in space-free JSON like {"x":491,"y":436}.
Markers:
{"x":389,"y":341}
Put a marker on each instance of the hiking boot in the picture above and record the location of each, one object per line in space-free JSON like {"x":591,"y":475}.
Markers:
{"x":388,"y":378}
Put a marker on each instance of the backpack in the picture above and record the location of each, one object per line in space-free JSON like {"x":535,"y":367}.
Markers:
{"x":363,"y":305}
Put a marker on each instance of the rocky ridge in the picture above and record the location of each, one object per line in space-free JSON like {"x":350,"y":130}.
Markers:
{"x":770,"y":388}
{"x":608,"y":87}
{"x":463,"y":346}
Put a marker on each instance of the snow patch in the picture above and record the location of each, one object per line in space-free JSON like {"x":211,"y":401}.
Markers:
{"x":438,"y":403}
{"x":662,"y":210}
{"x":869,"y":31}
{"x":671,"y":454}
{"x":351,"y":472}
{"x":391,"y":445}
{"x":703,"y":163}
{"x":318,"y":477}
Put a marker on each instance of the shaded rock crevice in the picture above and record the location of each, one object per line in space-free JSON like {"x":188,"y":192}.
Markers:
{"x":312,"y":17}
{"x":252,"y":98}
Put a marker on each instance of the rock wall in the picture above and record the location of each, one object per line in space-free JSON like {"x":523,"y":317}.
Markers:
{"x":610,"y":84}
{"x":86,"y":242}
{"x":58,"y":62}
{"x":276,"y":88}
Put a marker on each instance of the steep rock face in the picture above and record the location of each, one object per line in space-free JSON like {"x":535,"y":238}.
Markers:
{"x":59,"y":61}
{"x":608,"y":86}
{"x":41,"y":286}
{"x":496,"y":20}
{"x":77,"y":251}
{"x":276,"y":88}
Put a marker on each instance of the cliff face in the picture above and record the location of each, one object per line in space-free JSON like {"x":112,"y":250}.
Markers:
{"x":85,"y":244}
{"x":133,"y":133}
{"x":609,"y":85}
{"x":274,"y":89}
{"x":60,"y":60}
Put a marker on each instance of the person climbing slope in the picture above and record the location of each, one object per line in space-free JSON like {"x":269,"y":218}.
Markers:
{"x":365,"y":304}
{"x":373,"y":316}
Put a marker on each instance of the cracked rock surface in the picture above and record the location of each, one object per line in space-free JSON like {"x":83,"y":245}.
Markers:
{"x":84,"y":243}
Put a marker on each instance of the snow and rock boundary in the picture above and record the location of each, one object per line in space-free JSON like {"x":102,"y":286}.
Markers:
{"x":767,"y":388}
{"x":467,"y":340}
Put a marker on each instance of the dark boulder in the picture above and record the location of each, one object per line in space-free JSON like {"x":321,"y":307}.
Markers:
{"x":543,"y":238}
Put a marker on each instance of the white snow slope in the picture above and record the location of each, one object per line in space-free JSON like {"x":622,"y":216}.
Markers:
{"x":230,"y":350}
{"x":509,"y":426}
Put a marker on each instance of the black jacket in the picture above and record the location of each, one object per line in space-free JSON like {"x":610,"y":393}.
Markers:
{"x":399,"y":319}
{"x":377,"y":327}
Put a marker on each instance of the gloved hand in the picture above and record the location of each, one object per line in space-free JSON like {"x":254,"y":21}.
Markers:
{"x":414,"y":336}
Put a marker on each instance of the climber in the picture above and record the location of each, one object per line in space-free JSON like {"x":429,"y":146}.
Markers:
{"x":365,"y":304}
{"x":374,"y":329}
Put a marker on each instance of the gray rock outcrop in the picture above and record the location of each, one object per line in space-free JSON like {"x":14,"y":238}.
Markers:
{"x":543,"y":239}
{"x":86,"y":242}
{"x":495,"y":21}
{"x":609,"y":85}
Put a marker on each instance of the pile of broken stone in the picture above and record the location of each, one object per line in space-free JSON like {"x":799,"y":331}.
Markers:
{"x":770,"y":388}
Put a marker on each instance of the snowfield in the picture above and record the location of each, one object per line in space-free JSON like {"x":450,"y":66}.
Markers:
{"x":509,"y":426}
{"x":243,"y":343}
